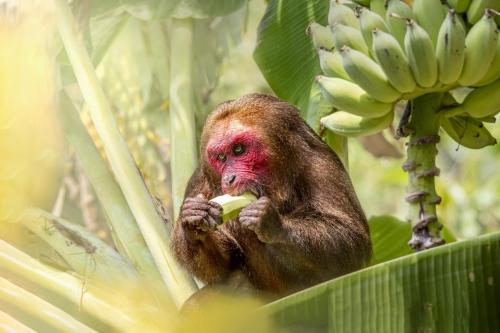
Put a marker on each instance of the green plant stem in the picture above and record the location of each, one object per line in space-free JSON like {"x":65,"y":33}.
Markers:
{"x":10,"y":324}
{"x":131,"y":183}
{"x":103,"y":307}
{"x":126,"y":234}
{"x":183,"y":145}
{"x":85,"y":253}
{"x":36,"y":308}
{"x":421,"y":168}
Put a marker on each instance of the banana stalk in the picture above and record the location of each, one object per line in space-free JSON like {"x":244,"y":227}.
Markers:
{"x":421,"y":168}
{"x":122,"y":164}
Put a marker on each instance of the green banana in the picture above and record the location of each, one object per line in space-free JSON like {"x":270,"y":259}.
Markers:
{"x":321,"y":36}
{"x":480,"y":45}
{"x":331,"y":64}
{"x":351,"y":98}
{"x":368,"y":21}
{"x":368,"y":75}
{"x":378,"y":6}
{"x":421,"y":56}
{"x":231,"y":206}
{"x":341,"y":14}
{"x":477,"y":7}
{"x":468,"y":132}
{"x":482,"y":102}
{"x":450,"y":49}
{"x":346,"y":35}
{"x":429,"y":14}
{"x":393,"y":61}
{"x":493,"y":72}
{"x":397,"y":10}
{"x":460,"y":6}
{"x":346,"y":124}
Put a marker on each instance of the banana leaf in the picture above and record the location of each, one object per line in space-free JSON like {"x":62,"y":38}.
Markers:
{"x":451,"y":288}
{"x":285,"y":53}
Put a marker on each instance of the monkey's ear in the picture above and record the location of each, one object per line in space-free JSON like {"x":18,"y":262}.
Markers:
{"x":201,"y":196}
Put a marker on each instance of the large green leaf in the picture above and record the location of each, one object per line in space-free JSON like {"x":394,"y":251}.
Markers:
{"x":390,"y":238}
{"x":284,"y":53}
{"x":452,"y":288}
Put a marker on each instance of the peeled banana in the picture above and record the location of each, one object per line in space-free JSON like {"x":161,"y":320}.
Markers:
{"x":468,"y":132}
{"x":393,"y":61}
{"x":368,"y":75}
{"x":348,"y":96}
{"x":344,"y":35}
{"x":321,"y":36}
{"x":231,"y":206}
{"x":347,"y":124}
{"x":450,"y":49}
{"x":331,"y":64}
{"x":421,"y":56}
{"x":480,"y":45}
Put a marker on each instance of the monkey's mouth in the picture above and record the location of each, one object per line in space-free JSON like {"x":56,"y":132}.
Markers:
{"x":255,"y":189}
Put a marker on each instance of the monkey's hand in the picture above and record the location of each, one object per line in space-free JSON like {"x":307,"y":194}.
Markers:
{"x":198,"y":216}
{"x":262,"y":218}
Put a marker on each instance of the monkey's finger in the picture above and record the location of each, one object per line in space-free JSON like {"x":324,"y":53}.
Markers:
{"x":199,"y":198}
{"x":212,"y":223}
{"x":196,"y":205}
{"x":214,"y":212}
{"x":251,"y":223}
{"x":251,"y":212}
{"x":215,"y":205}
{"x":194,"y":212}
{"x":191,"y":221}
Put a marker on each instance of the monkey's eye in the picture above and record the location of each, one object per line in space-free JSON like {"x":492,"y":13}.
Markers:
{"x":238,"y":149}
{"x":221,"y":157}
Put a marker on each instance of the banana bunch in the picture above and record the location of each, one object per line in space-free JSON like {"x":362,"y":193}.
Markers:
{"x":374,"y":53}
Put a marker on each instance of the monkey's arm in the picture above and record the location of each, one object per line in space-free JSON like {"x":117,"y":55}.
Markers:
{"x":205,"y":251}
{"x":315,"y":243}
{"x":210,"y":259}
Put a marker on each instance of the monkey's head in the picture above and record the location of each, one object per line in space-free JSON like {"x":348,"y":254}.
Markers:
{"x":248,"y":145}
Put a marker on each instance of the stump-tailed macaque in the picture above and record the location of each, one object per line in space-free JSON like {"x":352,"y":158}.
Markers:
{"x":307,"y":225}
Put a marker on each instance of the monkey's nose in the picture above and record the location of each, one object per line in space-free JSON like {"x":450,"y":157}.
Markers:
{"x":229,"y":179}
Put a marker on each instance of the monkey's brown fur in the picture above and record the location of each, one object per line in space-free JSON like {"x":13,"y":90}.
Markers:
{"x":315,"y":226}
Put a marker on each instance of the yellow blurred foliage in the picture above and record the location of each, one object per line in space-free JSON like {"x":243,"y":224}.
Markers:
{"x":31,"y":142}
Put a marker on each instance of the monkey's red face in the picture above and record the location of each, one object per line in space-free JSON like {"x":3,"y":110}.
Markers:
{"x":237,"y":154}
